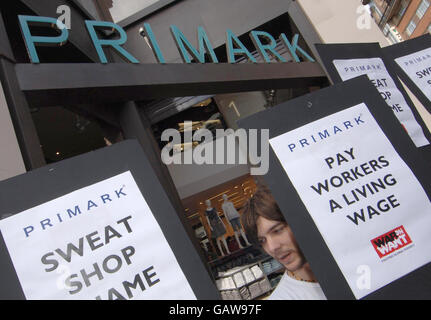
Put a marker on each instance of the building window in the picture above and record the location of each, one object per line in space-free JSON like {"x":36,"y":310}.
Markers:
{"x":422,"y":9}
{"x":403,"y":7}
{"x":411,"y":28}
{"x":374,"y":8}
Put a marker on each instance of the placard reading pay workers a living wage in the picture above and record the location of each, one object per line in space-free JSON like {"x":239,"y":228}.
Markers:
{"x":376,"y":71}
{"x":99,"y":242}
{"x":418,"y":67}
{"x":368,"y":205}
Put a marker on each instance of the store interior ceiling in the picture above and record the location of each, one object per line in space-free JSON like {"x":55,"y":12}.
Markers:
{"x":64,"y":134}
{"x":204,"y":114}
{"x":238,"y":190}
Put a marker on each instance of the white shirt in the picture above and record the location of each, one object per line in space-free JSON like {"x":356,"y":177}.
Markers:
{"x":229,"y":210}
{"x":292,"y":289}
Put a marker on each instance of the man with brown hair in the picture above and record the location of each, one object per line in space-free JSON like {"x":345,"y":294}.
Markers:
{"x":265,"y":225}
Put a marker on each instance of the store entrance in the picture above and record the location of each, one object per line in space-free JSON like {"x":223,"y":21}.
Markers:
{"x":117,"y":95}
{"x":241,"y":271}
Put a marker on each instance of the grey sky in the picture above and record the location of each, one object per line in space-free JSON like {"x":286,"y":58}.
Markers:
{"x":122,"y":9}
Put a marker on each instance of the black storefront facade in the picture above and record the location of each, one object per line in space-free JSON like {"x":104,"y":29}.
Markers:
{"x":127,"y":100}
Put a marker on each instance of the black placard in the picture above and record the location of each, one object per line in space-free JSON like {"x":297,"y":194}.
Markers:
{"x":304,"y":110}
{"x":45,"y":184}
{"x":406,"y":48}
{"x":331,"y":52}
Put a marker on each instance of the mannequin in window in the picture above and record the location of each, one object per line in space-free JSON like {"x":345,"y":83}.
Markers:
{"x":218,"y":230}
{"x":233,"y":217}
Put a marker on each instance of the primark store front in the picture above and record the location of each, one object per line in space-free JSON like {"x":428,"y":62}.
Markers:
{"x":94,"y":94}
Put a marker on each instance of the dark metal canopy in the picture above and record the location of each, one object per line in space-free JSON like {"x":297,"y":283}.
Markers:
{"x":83,"y":83}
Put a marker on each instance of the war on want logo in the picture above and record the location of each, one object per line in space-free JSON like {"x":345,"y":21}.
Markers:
{"x":391,"y":242}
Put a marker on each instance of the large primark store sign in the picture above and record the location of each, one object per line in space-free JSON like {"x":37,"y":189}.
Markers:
{"x":264,"y":42}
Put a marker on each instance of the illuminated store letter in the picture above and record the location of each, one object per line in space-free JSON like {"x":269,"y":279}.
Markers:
{"x":294,"y":47}
{"x":255,"y":37}
{"x":153,"y":43}
{"x":239,"y":50}
{"x":116,"y":43}
{"x":31,"y":41}
{"x":204,"y":46}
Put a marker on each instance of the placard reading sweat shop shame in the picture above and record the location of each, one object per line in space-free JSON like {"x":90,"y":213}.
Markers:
{"x":376,"y":71}
{"x":366,"y":202}
{"x":99,"y":242}
{"x":418,"y":67}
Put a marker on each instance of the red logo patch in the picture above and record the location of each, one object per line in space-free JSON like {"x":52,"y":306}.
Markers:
{"x":391,"y":241}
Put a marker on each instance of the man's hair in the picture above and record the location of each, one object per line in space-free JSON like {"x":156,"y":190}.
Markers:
{"x":262,"y":204}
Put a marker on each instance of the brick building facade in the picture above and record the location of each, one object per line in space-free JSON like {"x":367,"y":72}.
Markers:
{"x":416,"y":20}
{"x":402,"y":19}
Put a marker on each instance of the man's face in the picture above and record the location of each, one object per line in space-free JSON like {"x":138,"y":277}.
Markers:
{"x":277,"y":239}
